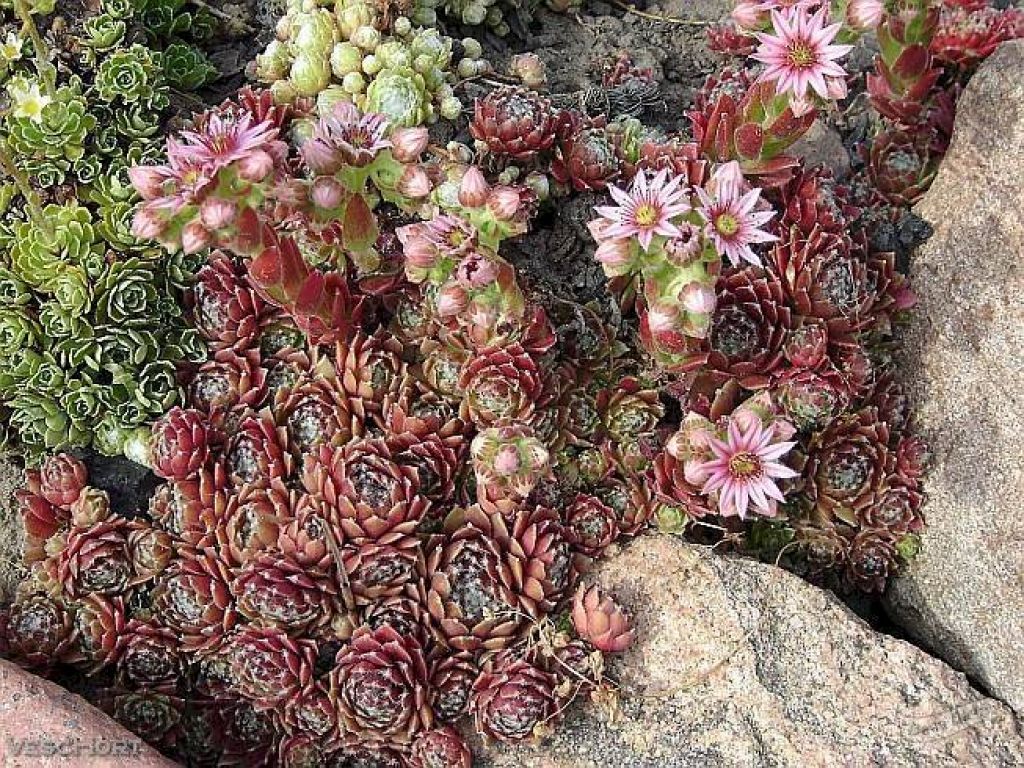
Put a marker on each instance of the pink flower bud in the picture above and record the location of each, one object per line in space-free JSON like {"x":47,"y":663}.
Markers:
{"x":507,"y":460}
{"x":800,"y":107}
{"x":255,"y":166}
{"x":476,"y":271}
{"x":452,"y":299}
{"x":616,"y":256}
{"x":217,"y":213}
{"x":194,"y":237}
{"x":504,"y":202}
{"x":529,"y":68}
{"x":783,"y":430}
{"x":148,"y":180}
{"x":662,"y":318}
{"x":419,"y":252}
{"x":414,"y":182}
{"x":320,"y":158}
{"x":747,"y":14}
{"x":407,"y":144}
{"x":727,"y":181}
{"x":835,"y":87}
{"x":327,"y":192}
{"x":473,"y":189}
{"x":699,"y":298}
{"x":865,"y":14}
{"x":745,"y":418}
{"x":694,"y":472}
{"x":147,"y":224}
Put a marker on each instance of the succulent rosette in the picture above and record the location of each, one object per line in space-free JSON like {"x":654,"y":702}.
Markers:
{"x":96,"y":560}
{"x":180,"y":444}
{"x":149,"y":713}
{"x":273,"y":589}
{"x":500,"y":384}
{"x":255,"y":453}
{"x":99,"y":626}
{"x":440,"y":748}
{"x":513,"y":699}
{"x":61,"y":479}
{"x":514,"y":122}
{"x":598,"y":620}
{"x":269,"y":667}
{"x":39,"y":631}
{"x":193,"y":597}
{"x":508,"y":462}
{"x":380,"y":684}
{"x":148,"y":655}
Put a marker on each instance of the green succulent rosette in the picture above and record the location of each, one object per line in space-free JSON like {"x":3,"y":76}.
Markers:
{"x":39,"y":255}
{"x":14,"y":292}
{"x":41,"y":424}
{"x":126,"y":294}
{"x":18,"y":330}
{"x":186,"y":67}
{"x":130,"y":75}
{"x":61,"y":131}
{"x":103,"y":32}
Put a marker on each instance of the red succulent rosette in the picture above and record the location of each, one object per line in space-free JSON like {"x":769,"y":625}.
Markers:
{"x":149,"y":549}
{"x":372,"y":494}
{"x":148,"y":655}
{"x":310,"y":537}
{"x":591,"y":525}
{"x":96,"y":560}
{"x":41,"y":518}
{"x":274,"y":590}
{"x":811,"y":399}
{"x":469,"y":588}
{"x":405,"y":614}
{"x":269,"y":667}
{"x":256,"y":453}
{"x":901,"y":166}
{"x":381,"y":569}
{"x":183,"y":507}
{"x":39,"y":631}
{"x":227,"y":311}
{"x":370,"y":368}
{"x":316,"y":412}
{"x":230,"y":379}
{"x":451,"y":684}
{"x":748,"y":328}
{"x":598,"y":620}
{"x":813,"y":199}
{"x":871,"y":559}
{"x":631,"y":499}
{"x":181,"y":444}
{"x":440,"y":748}
{"x":514,"y":122}
{"x":151,"y":714}
{"x":249,"y":734}
{"x":312,"y":712}
{"x":513,"y":699}
{"x":61,"y":479}
{"x":251,"y":522}
{"x":99,"y":626}
{"x":193,"y":597}
{"x":585,"y":157}
{"x":499,"y":384}
{"x":379,"y":682}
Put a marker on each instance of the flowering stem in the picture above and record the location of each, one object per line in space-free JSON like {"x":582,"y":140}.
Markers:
{"x":35,"y":208}
{"x":40,"y":49}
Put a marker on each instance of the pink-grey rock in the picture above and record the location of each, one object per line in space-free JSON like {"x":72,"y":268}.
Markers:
{"x":738,"y":663}
{"x":964,"y":596}
{"x":44,"y":726}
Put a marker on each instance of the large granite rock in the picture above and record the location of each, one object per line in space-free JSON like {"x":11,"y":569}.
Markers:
{"x":741,"y":664}
{"x":964,"y":597}
{"x":44,"y":726}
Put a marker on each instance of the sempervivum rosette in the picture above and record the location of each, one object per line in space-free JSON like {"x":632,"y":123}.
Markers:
{"x":451,"y":685}
{"x":316,"y":412}
{"x":469,"y":588}
{"x":227,"y":311}
{"x":309,"y":538}
{"x":749,"y":326}
{"x":61,"y":479}
{"x":850,"y":467}
{"x":628,"y":410}
{"x":499,"y":384}
{"x":149,"y":549}
{"x":901,"y":166}
{"x":585,"y":158}
{"x":268,"y":667}
{"x":598,"y":620}
{"x":508,"y":461}
{"x":96,"y":559}
{"x":825,"y":276}
{"x":148,"y":655}
{"x":38,"y":632}
{"x":369,"y":368}
{"x":871,"y":559}
{"x":311,"y":711}
{"x":540,"y":557}
{"x":41,"y":518}
{"x":99,"y":626}
{"x":513,"y":699}
{"x":193,"y":596}
{"x":379,"y":682}
{"x":230,"y":379}
{"x":632,"y":501}
{"x":249,"y":734}
{"x":591,"y":525}
{"x":273,"y":589}
{"x":371,"y":492}
{"x":811,"y":399}
{"x":440,"y":748}
{"x":812,"y":199}
{"x":382,"y":569}
{"x":183,"y":507}
{"x":180,"y":444}
{"x":514,"y":122}
{"x":149,"y":713}
{"x":255,"y":454}
{"x":251,"y":521}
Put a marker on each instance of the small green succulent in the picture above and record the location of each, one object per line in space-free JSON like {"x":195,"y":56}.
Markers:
{"x":186,"y":67}
{"x":103,"y":32}
{"x":126,"y":294}
{"x":38,"y":255}
{"x":129,"y":75}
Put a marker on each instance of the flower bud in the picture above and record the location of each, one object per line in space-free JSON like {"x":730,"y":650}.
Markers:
{"x":148,"y":180}
{"x":473,"y":189}
{"x":475,"y":271}
{"x":835,"y":87}
{"x":507,"y":460}
{"x":452,"y":299}
{"x":216,"y":212}
{"x":407,"y":144}
{"x":195,"y":237}
{"x":747,"y":14}
{"x":504,"y":202}
{"x":414,"y":182}
{"x":615,"y":256}
{"x":694,"y":472}
{"x":319,"y":157}
{"x":327,"y":192}
{"x":699,"y":298}
{"x":255,"y":166}
{"x":147,"y":224}
{"x":662,"y":317}
{"x":865,"y":14}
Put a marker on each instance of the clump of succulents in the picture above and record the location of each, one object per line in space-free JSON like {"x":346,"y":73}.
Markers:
{"x":357,"y":52}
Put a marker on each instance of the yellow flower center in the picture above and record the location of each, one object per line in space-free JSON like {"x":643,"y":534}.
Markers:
{"x":645,"y":215}
{"x":727,"y":224}
{"x":744,"y":465}
{"x":801,"y":55}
